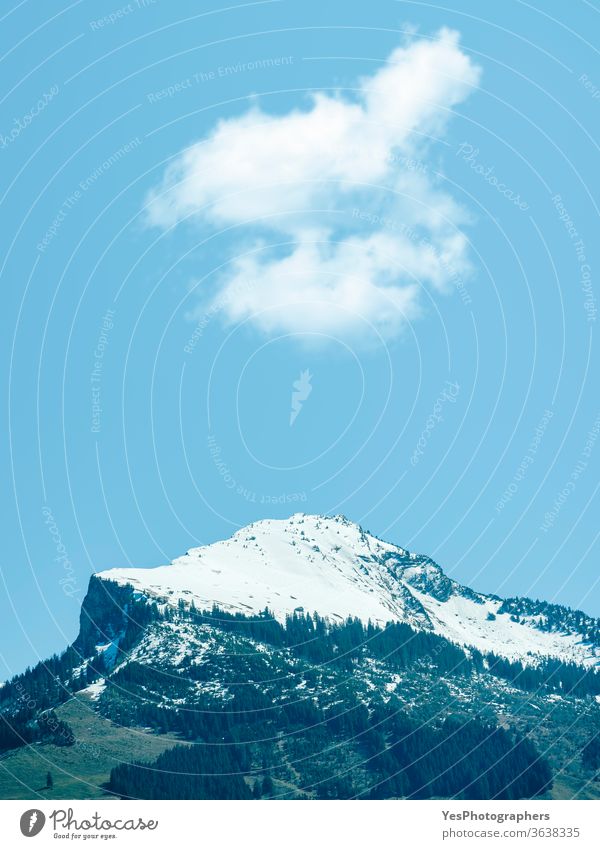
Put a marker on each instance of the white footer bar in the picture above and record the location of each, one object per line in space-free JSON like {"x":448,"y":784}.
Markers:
{"x":291,"y":824}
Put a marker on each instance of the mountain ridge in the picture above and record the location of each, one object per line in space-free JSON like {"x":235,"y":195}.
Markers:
{"x":333,"y":567}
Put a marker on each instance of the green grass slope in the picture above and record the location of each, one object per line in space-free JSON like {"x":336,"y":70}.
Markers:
{"x":81,"y":770}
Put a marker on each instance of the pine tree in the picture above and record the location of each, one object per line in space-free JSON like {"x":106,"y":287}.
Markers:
{"x":268,"y":788}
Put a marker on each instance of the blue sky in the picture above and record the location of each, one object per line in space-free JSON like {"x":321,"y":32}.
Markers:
{"x":288,"y":257}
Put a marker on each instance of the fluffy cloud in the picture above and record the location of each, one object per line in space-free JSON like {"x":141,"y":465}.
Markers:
{"x":343,"y":181}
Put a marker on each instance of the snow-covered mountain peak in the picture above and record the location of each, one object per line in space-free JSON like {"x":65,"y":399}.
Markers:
{"x":310,"y":562}
{"x":325,"y":530}
{"x":332,"y":566}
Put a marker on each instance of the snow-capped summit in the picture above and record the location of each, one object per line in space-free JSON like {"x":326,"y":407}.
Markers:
{"x":332,"y":566}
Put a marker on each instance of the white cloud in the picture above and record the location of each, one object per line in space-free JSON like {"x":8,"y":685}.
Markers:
{"x":365,"y":227}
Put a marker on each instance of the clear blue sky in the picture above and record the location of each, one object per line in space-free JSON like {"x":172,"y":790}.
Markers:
{"x":297,"y":256}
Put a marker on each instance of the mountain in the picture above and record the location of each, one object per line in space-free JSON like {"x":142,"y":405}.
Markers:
{"x":306,"y":658}
{"x":333,"y":567}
